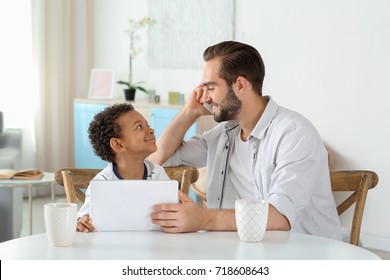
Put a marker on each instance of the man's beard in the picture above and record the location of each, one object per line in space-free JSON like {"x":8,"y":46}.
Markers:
{"x":229,"y":108}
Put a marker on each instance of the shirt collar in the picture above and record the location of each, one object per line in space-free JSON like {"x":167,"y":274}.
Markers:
{"x":265,"y":119}
{"x":115,"y":170}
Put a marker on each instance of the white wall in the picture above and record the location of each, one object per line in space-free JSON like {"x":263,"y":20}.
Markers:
{"x":112,"y":50}
{"x":327,"y":59}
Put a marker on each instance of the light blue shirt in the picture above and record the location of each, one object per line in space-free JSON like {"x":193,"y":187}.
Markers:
{"x":289,"y":169}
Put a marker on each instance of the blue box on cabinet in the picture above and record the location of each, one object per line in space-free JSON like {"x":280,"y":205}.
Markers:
{"x":161,"y":117}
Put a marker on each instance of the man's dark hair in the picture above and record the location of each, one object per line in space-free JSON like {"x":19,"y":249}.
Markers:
{"x":103,"y":127}
{"x":238,"y":59}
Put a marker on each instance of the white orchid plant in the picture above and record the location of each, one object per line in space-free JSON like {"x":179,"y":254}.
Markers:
{"x":134,"y":26}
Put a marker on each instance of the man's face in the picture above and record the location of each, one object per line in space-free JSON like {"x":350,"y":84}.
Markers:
{"x":222,"y":98}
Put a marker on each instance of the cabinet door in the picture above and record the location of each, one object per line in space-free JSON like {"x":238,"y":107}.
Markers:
{"x":160,"y":118}
{"x":84,"y":155}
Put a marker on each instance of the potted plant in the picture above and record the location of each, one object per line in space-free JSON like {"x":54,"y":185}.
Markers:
{"x":134,"y":26}
{"x":131,"y":89}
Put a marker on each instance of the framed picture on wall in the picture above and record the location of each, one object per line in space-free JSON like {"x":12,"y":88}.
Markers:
{"x":101,"y":85}
{"x":180,"y":43}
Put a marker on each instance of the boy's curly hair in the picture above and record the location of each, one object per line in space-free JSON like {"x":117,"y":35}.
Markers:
{"x":103,"y":127}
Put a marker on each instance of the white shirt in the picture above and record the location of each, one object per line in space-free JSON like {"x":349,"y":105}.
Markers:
{"x":289,"y":166}
{"x":240,"y":170}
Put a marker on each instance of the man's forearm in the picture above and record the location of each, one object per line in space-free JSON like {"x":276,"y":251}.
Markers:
{"x":219,"y":220}
{"x":225,"y":220}
{"x":172,"y":137}
{"x":277,"y":221}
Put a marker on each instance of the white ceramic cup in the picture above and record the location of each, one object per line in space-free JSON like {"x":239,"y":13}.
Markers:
{"x":251,"y":219}
{"x":60,"y":223}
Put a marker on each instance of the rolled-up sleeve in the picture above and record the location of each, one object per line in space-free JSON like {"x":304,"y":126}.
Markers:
{"x":296,"y":172}
{"x":194,"y":151}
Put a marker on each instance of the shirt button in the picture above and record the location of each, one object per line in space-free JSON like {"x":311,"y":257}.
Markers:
{"x":250,"y":137}
{"x":227,"y":147}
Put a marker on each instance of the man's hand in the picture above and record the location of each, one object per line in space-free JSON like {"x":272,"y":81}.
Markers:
{"x":179,"y":217}
{"x":172,"y":137}
{"x":196,"y":100}
{"x":84,"y":224}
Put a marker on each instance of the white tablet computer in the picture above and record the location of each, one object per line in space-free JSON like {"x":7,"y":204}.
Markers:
{"x":126,"y":205}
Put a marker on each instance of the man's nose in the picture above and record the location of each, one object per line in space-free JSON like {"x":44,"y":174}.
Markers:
{"x":205,"y":95}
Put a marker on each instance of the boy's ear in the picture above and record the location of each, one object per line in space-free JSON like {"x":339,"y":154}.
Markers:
{"x":116,"y":145}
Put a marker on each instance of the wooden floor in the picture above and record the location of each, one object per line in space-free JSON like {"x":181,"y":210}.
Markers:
{"x":39,"y":225}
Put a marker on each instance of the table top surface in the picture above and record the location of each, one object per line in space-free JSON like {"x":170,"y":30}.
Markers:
{"x":157,"y":245}
{"x":47,"y":178}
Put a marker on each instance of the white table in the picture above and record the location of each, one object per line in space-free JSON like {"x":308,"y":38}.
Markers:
{"x":156,"y":245}
{"x":46,"y":180}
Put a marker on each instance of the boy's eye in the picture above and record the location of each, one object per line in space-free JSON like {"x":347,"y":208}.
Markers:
{"x":210,"y":88}
{"x":139,"y":126}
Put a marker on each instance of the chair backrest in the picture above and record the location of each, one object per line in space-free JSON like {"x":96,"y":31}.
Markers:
{"x":185,"y":175}
{"x":358,"y":182}
{"x":199,"y":187}
{"x":75,"y":179}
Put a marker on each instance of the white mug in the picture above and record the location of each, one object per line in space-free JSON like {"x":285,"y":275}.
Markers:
{"x":251,"y":219}
{"x":60,"y":223}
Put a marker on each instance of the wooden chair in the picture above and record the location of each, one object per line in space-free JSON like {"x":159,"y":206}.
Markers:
{"x":185,"y":175}
{"x":199,"y":187}
{"x":75,"y":179}
{"x":358,"y":182}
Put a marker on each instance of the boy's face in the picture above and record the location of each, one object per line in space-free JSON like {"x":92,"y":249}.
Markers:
{"x":136,"y":135}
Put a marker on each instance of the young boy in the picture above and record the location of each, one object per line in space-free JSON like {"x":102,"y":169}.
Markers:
{"x":120,"y":135}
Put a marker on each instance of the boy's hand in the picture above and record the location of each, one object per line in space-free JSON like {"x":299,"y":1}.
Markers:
{"x":84,"y":224}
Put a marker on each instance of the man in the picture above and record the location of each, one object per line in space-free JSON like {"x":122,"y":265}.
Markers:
{"x":258,"y":150}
